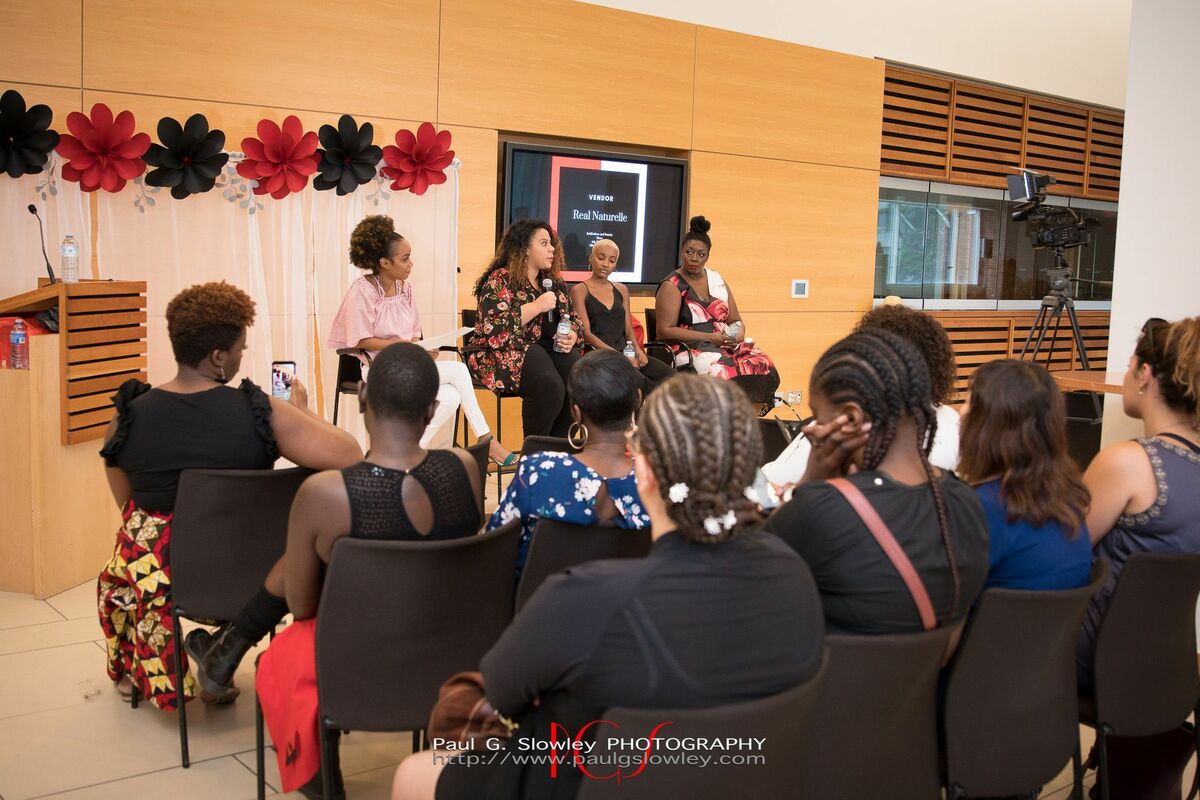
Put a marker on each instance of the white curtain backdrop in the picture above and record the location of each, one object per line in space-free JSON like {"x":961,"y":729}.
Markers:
{"x":291,"y":256}
{"x":64,"y":209}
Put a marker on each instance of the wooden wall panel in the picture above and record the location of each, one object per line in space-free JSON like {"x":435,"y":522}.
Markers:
{"x":778,"y":220}
{"x":761,"y":97}
{"x":795,"y":341}
{"x":370,"y":57}
{"x":41,"y":42}
{"x":61,"y":101}
{"x":237,"y":120}
{"x":478,"y":150}
{"x":567,"y":69}
{"x":916,"y":124}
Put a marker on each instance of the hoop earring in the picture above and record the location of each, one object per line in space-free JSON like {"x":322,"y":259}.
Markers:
{"x":580,"y":429}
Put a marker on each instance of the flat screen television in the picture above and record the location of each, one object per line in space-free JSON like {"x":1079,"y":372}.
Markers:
{"x":587,"y":195}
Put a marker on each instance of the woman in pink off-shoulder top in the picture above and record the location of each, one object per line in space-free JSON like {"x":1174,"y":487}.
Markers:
{"x":379,"y":310}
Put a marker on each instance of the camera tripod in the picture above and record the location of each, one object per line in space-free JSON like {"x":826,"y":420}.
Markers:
{"x":1053,"y":304}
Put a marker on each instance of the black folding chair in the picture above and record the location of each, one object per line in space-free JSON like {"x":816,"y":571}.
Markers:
{"x":1144,"y":673}
{"x":664,"y":347}
{"x":782,"y":721}
{"x":229,"y":530}
{"x":349,"y":375}
{"x":558,"y":545}
{"x":1010,"y":716}
{"x":437,"y":608}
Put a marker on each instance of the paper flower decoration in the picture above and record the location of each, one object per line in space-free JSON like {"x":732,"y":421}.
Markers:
{"x":280,"y":160}
{"x":102,"y":152}
{"x":25,"y":142}
{"x":418,"y":162}
{"x":189,"y":158}
{"x":349,"y":158}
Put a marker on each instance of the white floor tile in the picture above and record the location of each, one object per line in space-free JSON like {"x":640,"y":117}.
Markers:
{"x":76,"y":603}
{"x":49,"y":634}
{"x":82,"y":745}
{"x":21,"y":610}
{"x":361,"y":752}
{"x":222,"y":777}
{"x":43,"y":680}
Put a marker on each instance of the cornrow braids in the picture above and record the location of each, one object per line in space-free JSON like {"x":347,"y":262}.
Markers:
{"x":888,"y":377}
{"x":702,"y":432}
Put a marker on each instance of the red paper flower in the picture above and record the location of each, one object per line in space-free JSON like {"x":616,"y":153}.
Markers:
{"x":280,"y":160}
{"x":103,"y":153}
{"x":418,"y":162}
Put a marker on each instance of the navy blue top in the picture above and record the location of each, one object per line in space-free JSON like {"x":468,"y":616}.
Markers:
{"x":1022,"y":555}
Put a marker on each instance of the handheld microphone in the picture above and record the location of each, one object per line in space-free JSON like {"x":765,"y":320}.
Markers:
{"x":548,"y":284}
{"x":42,"y":241}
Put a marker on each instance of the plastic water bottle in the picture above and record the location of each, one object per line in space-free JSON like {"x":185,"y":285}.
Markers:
{"x":18,"y":346}
{"x":69,"y":268}
{"x":629,"y":352}
{"x":564,"y":329}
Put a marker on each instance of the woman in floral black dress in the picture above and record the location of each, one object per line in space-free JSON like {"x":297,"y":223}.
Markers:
{"x":520,"y":351}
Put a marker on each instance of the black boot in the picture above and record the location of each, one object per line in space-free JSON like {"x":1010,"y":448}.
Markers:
{"x":315,"y":788}
{"x":196,"y":645}
{"x":216,"y":663}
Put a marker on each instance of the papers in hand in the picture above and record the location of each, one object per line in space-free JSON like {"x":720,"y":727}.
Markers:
{"x":445,"y":340}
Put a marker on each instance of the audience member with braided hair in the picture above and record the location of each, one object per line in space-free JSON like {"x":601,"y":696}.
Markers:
{"x":933,"y":343}
{"x":719,"y":612}
{"x":379,"y":310}
{"x":1014,"y":451}
{"x":875,"y":424}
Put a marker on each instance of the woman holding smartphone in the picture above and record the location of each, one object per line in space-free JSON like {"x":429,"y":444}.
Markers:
{"x":379,"y":310}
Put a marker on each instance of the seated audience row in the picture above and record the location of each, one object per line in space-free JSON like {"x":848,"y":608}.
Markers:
{"x":719,"y":612}
{"x":590,"y":638}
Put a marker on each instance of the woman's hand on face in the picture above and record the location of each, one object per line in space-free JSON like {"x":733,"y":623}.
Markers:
{"x":299,"y":395}
{"x":833,"y":447}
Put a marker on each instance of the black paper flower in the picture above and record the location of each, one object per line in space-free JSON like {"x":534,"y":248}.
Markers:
{"x":25,"y":142}
{"x":348,"y":159}
{"x":189,"y":158}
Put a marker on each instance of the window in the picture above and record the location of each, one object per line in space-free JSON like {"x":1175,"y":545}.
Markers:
{"x":958,"y":245}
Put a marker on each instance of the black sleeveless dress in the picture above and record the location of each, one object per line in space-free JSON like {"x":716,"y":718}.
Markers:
{"x":377,"y":504}
{"x":607,"y":324}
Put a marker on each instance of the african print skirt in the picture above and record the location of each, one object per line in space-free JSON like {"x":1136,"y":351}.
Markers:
{"x":134,"y":600}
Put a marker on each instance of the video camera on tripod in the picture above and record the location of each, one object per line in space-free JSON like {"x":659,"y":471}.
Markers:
{"x":1059,"y":228}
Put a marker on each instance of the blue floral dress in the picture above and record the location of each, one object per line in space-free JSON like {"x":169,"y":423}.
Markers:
{"x":560,"y":487}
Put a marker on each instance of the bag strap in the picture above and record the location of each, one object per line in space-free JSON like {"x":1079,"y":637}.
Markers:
{"x":1190,"y":445}
{"x":891,"y":548}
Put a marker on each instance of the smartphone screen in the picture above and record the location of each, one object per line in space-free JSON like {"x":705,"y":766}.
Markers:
{"x":282,"y":373}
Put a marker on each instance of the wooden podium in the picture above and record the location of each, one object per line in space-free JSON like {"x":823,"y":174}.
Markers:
{"x":59,"y":520}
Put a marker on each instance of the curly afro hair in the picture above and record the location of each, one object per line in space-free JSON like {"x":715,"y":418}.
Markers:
{"x":207,"y":317}
{"x":927,"y":334}
{"x":372,"y":240}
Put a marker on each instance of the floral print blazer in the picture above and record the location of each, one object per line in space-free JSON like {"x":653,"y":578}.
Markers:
{"x":499,"y":331}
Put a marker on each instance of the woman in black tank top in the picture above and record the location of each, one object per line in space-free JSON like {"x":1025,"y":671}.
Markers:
{"x":603,"y":308}
{"x":400,"y":492}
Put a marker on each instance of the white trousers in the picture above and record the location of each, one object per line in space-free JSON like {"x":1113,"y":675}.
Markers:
{"x":455,"y":389}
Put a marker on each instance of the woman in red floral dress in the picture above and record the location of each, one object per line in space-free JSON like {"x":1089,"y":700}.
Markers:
{"x":515,"y":327}
{"x":695,"y":308}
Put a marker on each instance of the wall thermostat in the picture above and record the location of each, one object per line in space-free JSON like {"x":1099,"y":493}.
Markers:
{"x":800,"y":288}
